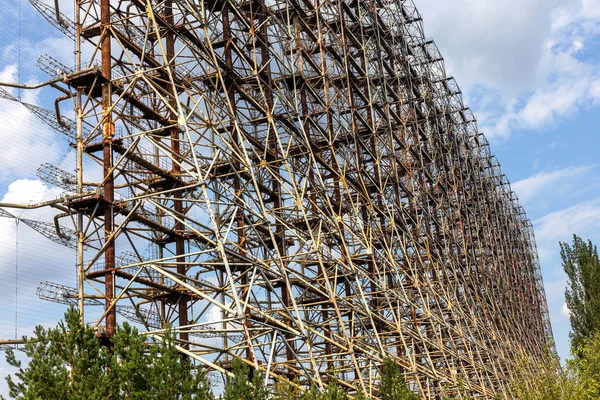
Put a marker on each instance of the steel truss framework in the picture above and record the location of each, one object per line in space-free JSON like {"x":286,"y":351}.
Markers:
{"x":297,"y":184}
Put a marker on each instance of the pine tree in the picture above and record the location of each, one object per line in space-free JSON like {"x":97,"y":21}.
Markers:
{"x":285,"y":390}
{"x":582,"y":266}
{"x":172,"y":373}
{"x":334,"y":392}
{"x":239,"y":386}
{"x":260,"y":391}
{"x":68,"y":363}
{"x":313,"y":394}
{"x":393,"y":386}
{"x":129,"y":370}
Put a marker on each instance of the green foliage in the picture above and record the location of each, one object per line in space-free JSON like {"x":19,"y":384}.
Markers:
{"x":172,"y":376}
{"x":547,"y":380}
{"x":65,"y":363}
{"x":542,"y":380}
{"x":287,"y":390}
{"x":239,"y":386}
{"x":313,"y":394}
{"x":333,"y":392}
{"x":68,"y":363}
{"x":580,"y":379}
{"x":585,"y":367}
{"x":582,"y":266}
{"x":393,"y":386}
{"x":129,"y":364}
{"x":360,"y":396}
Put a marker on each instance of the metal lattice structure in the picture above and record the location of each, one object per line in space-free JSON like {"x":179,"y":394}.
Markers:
{"x":60,"y":178}
{"x":314,"y":192}
{"x":52,"y":66}
{"x":6,"y":214}
{"x":52,"y":231}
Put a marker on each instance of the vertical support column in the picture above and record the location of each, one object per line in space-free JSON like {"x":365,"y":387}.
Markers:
{"x":182,"y":305}
{"x":79,"y":116}
{"x":236,"y":144}
{"x":314,"y":211}
{"x":108,"y":132}
{"x":267,"y":79}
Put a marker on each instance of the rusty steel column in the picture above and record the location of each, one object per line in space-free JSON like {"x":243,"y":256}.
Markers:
{"x":182,"y":302}
{"x":80,"y":151}
{"x":108,"y":132}
{"x":339,"y":206}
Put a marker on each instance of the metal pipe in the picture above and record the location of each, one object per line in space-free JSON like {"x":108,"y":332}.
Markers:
{"x":17,"y":341}
{"x":34,"y":86}
{"x":62,"y":78}
{"x":57,"y":225}
{"x":47,"y":203}
{"x":57,"y":108}
{"x":63,"y":90}
{"x":57,"y":11}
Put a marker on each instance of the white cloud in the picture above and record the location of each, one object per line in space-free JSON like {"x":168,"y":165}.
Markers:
{"x":519,"y":60}
{"x":547,"y":106}
{"x":23,"y":136}
{"x":591,"y":8}
{"x":565,"y":310}
{"x":214,"y":315}
{"x":26,"y":259}
{"x":581,"y":217}
{"x":25,"y":191}
{"x":577,"y":46}
{"x":559,"y":226}
{"x":528,"y":188}
{"x":491,"y":42}
{"x":595,"y":91}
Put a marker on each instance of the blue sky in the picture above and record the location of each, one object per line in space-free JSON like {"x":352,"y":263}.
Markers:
{"x":528,"y":68}
{"x":530,"y":71}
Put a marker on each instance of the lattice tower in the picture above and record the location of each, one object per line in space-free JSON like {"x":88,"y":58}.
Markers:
{"x":311,"y":186}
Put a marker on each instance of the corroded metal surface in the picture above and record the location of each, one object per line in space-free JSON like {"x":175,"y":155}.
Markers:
{"x":303,"y":180}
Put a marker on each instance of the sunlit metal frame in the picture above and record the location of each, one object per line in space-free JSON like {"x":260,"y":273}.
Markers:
{"x":296,"y":184}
